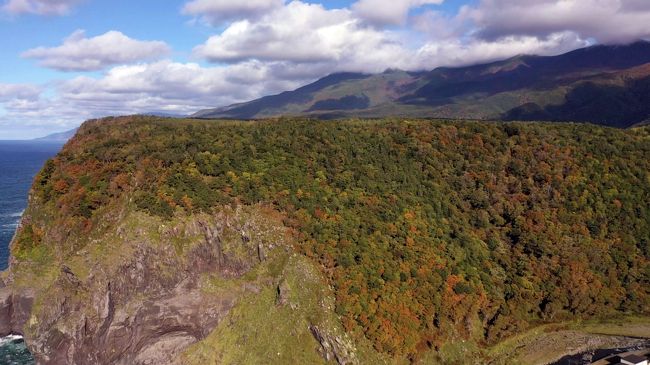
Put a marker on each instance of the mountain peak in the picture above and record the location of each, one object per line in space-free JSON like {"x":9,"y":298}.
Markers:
{"x":392,"y":70}
{"x":582,"y":85}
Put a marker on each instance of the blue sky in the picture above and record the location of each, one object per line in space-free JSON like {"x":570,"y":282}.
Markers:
{"x":66,"y":61}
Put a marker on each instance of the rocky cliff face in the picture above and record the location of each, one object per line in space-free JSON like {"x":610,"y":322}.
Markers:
{"x":97,"y":279}
{"x":14,"y":309}
{"x":141,"y":300}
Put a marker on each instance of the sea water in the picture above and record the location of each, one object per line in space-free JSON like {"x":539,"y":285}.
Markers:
{"x":20,"y":161}
{"x":14,"y":352}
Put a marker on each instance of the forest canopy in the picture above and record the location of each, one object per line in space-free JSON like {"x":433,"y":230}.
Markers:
{"x":426,"y":229}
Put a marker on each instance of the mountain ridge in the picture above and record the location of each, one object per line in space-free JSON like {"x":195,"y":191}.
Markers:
{"x":497,"y":90}
{"x":58,"y":137}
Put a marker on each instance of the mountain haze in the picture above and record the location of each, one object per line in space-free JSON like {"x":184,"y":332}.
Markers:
{"x":58,"y":137}
{"x":606,"y":85}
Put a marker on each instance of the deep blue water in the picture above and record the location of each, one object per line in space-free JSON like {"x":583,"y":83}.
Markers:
{"x":19,"y":163}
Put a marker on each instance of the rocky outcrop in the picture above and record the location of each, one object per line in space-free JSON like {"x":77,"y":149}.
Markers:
{"x":15,"y":308}
{"x":148,"y":307}
{"x":333,"y":348}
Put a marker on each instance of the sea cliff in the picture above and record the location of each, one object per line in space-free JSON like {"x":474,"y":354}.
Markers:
{"x":163,"y":241}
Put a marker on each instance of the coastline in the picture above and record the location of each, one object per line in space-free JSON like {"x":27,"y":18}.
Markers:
{"x":13,"y":349}
{"x":548,"y":344}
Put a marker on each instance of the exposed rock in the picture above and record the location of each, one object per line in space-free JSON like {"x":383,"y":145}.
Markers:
{"x":282,"y":297}
{"x":15,"y":308}
{"x":333,"y":348}
{"x":5,"y":311}
{"x":144,"y":308}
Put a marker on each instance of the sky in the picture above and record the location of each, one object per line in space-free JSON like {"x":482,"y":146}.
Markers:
{"x":66,"y":61}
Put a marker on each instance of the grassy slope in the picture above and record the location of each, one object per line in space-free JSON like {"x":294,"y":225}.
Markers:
{"x":261,"y":330}
{"x":264,"y":329}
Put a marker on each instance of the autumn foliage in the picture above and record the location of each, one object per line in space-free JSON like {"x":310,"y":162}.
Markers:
{"x":427,"y":230}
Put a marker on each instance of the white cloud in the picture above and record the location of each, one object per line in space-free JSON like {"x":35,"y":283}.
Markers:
{"x":261,"y":47}
{"x":384,"y":12}
{"x":183,"y":88}
{"x":163,"y":86}
{"x":79,"y":53}
{"x":24,"y":115}
{"x":608,"y":21}
{"x":323,"y":41}
{"x":458,"y":53}
{"x":18,"y":92}
{"x":218,"y":11}
{"x":306,"y":33}
{"x":39,"y":7}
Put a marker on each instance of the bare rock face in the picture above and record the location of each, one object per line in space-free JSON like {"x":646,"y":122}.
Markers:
{"x":14,"y":310}
{"x":333,"y":348}
{"x":6,"y":305}
{"x":144,"y":310}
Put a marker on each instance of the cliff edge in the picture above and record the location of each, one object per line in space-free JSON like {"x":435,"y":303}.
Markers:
{"x":166,"y":241}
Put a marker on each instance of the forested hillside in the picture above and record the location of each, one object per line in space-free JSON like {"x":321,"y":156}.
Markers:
{"x":605,"y":85}
{"x":428,"y":231}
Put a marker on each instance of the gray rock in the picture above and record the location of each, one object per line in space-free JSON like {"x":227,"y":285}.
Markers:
{"x":333,"y":348}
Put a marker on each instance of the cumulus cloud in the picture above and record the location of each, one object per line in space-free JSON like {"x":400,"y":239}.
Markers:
{"x":261,"y":47}
{"x":384,"y":12}
{"x":607,"y":21}
{"x":163,"y":86}
{"x":323,"y":41}
{"x":306,"y":33}
{"x":217,"y":12}
{"x":79,"y":53}
{"x":23,"y":115}
{"x":462,"y":53}
{"x":39,"y":7}
{"x":183,"y":88}
{"x":18,"y":92}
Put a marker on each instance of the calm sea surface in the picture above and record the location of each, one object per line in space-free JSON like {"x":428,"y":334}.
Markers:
{"x":19,"y":163}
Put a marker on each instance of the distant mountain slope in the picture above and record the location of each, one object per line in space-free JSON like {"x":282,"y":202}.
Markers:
{"x":276,"y":103}
{"x":606,"y":85}
{"x":58,"y":137}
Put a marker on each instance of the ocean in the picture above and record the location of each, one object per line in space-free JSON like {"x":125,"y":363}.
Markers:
{"x":20,"y":161}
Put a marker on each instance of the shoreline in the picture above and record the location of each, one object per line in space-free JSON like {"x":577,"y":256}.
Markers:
{"x":600,"y":355}
{"x":549,"y":344}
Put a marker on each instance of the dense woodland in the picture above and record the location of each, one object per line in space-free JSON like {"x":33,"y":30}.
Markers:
{"x":427,"y":230}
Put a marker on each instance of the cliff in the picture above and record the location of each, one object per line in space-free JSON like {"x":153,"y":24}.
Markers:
{"x":124,"y":287}
{"x":163,"y":241}
{"x":144,"y":290}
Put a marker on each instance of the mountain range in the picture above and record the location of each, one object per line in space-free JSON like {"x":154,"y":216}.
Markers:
{"x":607,"y":85}
{"x":58,"y":137}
